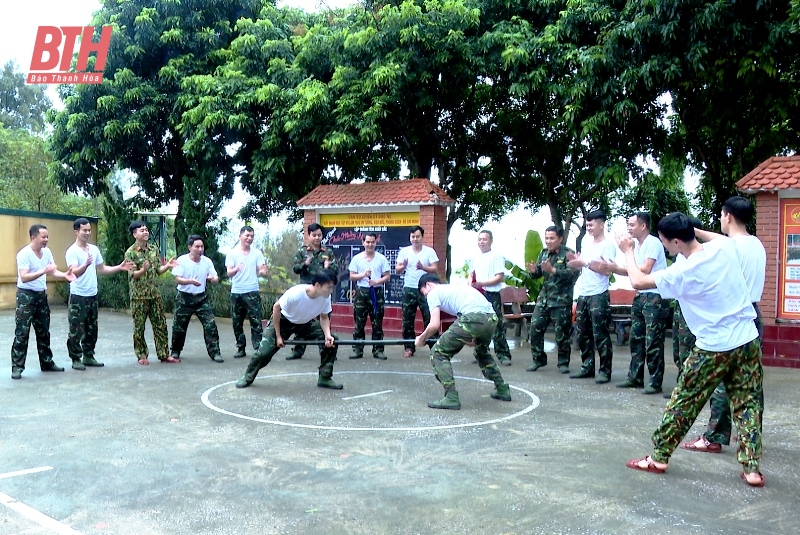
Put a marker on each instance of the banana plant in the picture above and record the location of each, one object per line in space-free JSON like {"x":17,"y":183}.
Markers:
{"x":519,"y":277}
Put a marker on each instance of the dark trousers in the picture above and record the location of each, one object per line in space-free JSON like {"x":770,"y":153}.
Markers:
{"x":32,"y":309}
{"x":82,"y":319}
{"x":187,"y":304}
{"x":306,"y":331}
{"x":593,"y":314}
{"x":247,"y":305}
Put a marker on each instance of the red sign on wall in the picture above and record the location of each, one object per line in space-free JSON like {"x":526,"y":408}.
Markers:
{"x":789,"y":284}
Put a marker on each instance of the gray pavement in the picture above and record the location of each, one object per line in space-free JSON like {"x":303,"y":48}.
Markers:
{"x":128,"y":449}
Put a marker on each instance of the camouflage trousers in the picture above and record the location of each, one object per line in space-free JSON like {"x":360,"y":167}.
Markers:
{"x":562,"y":322}
{"x":141,"y":310}
{"x":82,"y":319}
{"x":32,"y":309}
{"x":593,"y":315}
{"x":247,"y":305}
{"x":720,"y":424}
{"x":306,"y":331}
{"x":363,"y":307}
{"x":741,"y":373}
{"x":186,"y":305}
{"x":682,"y":339}
{"x":413,"y":299}
{"x":648,"y":328}
{"x":501,"y":349}
{"x":477,"y":327}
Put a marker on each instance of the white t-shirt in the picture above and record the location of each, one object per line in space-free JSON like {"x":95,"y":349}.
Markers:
{"x":591,"y":283}
{"x":189,"y":269}
{"x":486,"y":266}
{"x":27,"y":259}
{"x":246,"y":280}
{"x":359,"y":264}
{"x":299,"y":308}
{"x":713,"y":295}
{"x":753,"y":258}
{"x":650,"y":248}
{"x":458,"y":300}
{"x":86,"y":284}
{"x":411,"y":274}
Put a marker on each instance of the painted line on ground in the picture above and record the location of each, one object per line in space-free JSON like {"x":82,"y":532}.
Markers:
{"x":207,"y":402}
{"x":26,"y":472}
{"x":40,"y":518}
{"x":370,"y":394}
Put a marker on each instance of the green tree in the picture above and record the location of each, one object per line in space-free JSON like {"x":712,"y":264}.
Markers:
{"x":131,"y":120}
{"x":21,"y":105}
{"x":24,"y":180}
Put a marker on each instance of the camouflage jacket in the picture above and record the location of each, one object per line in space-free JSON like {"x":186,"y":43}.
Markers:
{"x":318,"y":259}
{"x":145,"y":286}
{"x":558,"y":287}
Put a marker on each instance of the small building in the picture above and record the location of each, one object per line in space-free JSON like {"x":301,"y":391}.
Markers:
{"x":776,"y":186}
{"x":390,"y":209}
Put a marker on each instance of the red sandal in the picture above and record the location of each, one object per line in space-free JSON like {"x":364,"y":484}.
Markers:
{"x":710,"y":447}
{"x":651,"y":466}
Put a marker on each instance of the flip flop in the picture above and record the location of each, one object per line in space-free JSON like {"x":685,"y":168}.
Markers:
{"x":759,"y":483}
{"x":651,"y":466}
{"x":172,"y":360}
{"x":143,"y":362}
{"x":710,"y":447}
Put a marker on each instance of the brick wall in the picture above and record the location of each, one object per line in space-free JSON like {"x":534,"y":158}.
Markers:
{"x":434,"y":220}
{"x":768,"y":230}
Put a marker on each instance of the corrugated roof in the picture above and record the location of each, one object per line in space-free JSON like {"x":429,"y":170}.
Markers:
{"x":777,"y":173}
{"x":414,"y":191}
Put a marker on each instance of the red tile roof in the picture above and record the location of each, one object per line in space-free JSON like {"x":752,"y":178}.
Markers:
{"x":779,"y":172}
{"x":414,"y":191}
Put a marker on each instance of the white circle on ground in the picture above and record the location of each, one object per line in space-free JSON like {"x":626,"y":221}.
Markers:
{"x":207,"y":402}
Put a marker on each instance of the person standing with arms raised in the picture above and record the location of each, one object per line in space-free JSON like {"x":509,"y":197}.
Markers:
{"x":85,"y":261}
{"x":369,"y":270}
{"x":415,"y":261}
{"x":244,"y":265}
{"x":488,"y":272}
{"x":34,"y":263}
{"x":308,"y":260}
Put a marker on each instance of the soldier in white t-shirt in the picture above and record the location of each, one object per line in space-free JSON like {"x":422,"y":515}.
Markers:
{"x":193,"y":272}
{"x":488,"y":273}
{"x":34,"y":263}
{"x":369,"y":270}
{"x":295,"y":313}
{"x":415,"y":261}
{"x":86,"y":262}
{"x":593,"y":310}
{"x":649,"y":311}
{"x":475,"y":324}
{"x":716,"y":304}
{"x":244,"y":265}
{"x":737,"y":213}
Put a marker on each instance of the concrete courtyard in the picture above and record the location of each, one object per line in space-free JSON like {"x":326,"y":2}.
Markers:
{"x":175,"y":449}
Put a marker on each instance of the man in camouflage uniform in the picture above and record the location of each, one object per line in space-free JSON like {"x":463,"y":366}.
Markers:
{"x":593,"y":310}
{"x":555,"y":299}
{"x":648,"y":312}
{"x":475,"y":324}
{"x":145,"y":300}
{"x":413,"y":262}
{"x":85,"y":261}
{"x":244,"y":265}
{"x":308,"y":260}
{"x":303,"y":311}
{"x":34,"y":263}
{"x":727,"y":348}
{"x":737,"y":213}
{"x":369,"y":270}
{"x":193,"y":272}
